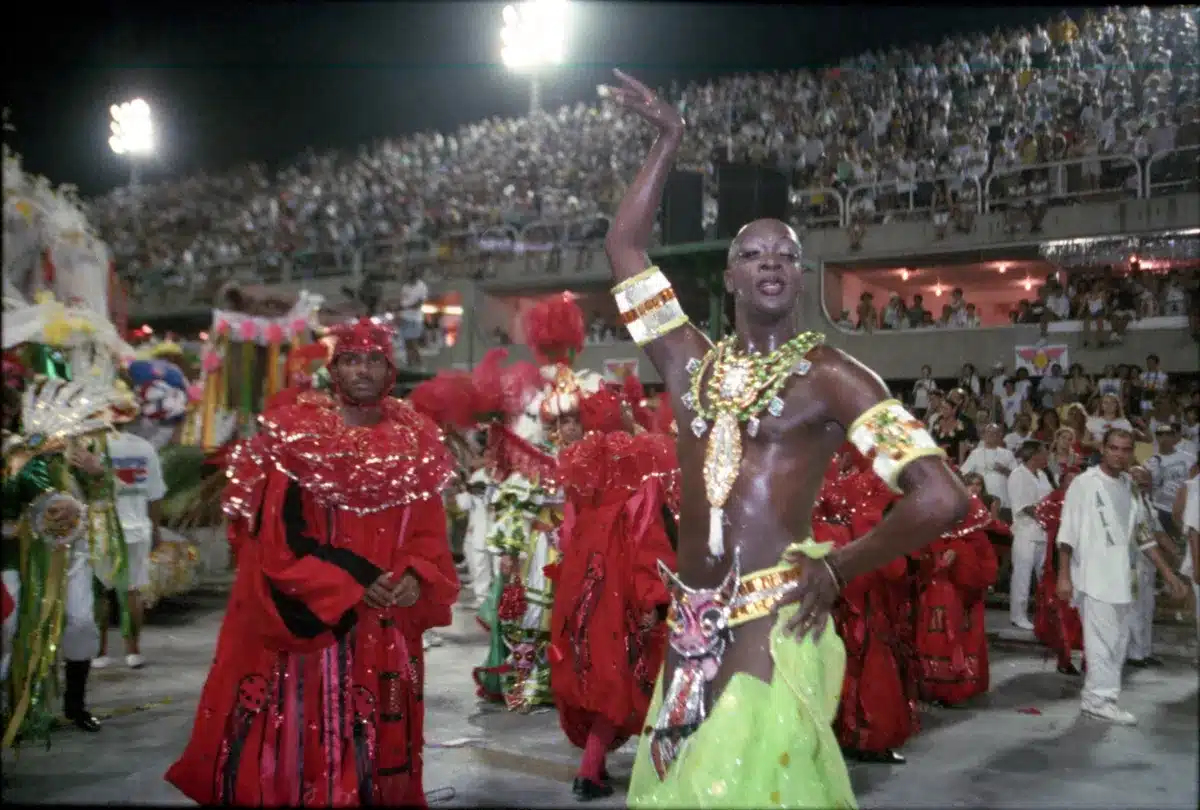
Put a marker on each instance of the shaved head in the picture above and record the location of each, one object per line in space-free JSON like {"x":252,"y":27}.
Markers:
{"x":768,"y":227}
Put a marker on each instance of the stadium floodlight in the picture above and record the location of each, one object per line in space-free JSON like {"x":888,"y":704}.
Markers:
{"x":534,"y":37}
{"x":132,"y":128}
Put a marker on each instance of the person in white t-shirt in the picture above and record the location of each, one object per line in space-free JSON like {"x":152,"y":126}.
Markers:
{"x":994,"y":462}
{"x":1169,"y":467}
{"x":1108,"y":416}
{"x":1153,"y":381}
{"x":1022,"y":431}
{"x":413,"y":294}
{"x":1186,"y":514}
{"x":1027,"y":486}
{"x":138,"y":487}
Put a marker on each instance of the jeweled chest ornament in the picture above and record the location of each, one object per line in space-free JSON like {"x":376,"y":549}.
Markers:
{"x":739,"y":389}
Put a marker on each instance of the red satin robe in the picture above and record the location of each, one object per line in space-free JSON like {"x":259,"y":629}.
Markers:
{"x":1056,"y":623}
{"x":313,"y":697}
{"x":877,"y":712}
{"x":951,"y":634}
{"x":607,"y":635}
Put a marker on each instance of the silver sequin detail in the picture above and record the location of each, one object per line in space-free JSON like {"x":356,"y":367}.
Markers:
{"x":699,"y":426}
{"x":752,"y":426}
{"x":693,"y":365}
{"x":775,"y":407}
{"x":688,"y":401}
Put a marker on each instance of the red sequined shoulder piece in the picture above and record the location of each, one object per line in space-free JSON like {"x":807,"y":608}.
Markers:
{"x":978,"y":519}
{"x":245,"y":473}
{"x":401,"y":460}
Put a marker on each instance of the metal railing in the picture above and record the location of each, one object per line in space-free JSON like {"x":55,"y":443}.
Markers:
{"x":819,"y":208}
{"x":917,"y":199}
{"x":1173,"y":171}
{"x":1061,"y":180}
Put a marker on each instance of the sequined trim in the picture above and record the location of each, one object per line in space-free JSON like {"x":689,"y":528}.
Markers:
{"x":892,"y":438}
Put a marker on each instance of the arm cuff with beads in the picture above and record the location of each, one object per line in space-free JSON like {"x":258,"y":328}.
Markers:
{"x":648,"y":306}
{"x":892,"y":438}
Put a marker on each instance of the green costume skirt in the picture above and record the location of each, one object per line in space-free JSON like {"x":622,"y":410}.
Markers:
{"x":762,"y":745}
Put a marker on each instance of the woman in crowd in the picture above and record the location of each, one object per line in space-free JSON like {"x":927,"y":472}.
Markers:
{"x":1047,"y":425}
{"x":1078,"y":387}
{"x":1075,"y":417}
{"x":951,"y":433}
{"x":956,"y":571}
{"x":974,"y":484}
{"x":1056,"y":622}
{"x":1064,"y":455}
{"x":1110,"y":414}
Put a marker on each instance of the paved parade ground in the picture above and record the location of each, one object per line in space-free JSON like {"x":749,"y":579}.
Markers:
{"x":1023,"y":745}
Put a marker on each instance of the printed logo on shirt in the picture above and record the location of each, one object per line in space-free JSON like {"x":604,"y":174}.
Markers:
{"x":132,"y":471}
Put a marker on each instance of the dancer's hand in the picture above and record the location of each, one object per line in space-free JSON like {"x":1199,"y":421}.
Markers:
{"x":815,"y":594}
{"x":1064,"y":589}
{"x":407,"y":592}
{"x":90,"y":463}
{"x":636,"y":97}
{"x":379,"y":594}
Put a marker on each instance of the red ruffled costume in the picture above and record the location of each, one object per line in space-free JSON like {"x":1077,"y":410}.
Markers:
{"x":951,"y":633}
{"x":878,"y":710}
{"x":1056,"y":623}
{"x":607,"y":635}
{"x":313,"y":697}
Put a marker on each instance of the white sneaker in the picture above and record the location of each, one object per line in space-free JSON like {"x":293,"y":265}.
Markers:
{"x":1110,"y":712}
{"x":1023,"y":624}
{"x":101,"y":662}
{"x":134,"y":661}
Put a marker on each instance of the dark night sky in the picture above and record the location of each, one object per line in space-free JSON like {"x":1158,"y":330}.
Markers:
{"x":236,"y":81}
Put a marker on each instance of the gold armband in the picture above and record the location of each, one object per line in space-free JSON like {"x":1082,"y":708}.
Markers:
{"x":892,"y":438}
{"x":648,"y":306}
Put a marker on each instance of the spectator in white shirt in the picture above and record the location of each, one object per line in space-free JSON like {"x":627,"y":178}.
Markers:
{"x":921,"y":388}
{"x":1010,"y":402}
{"x":1169,"y":468}
{"x":994,"y":462}
{"x":1109,"y":415}
{"x":1022,"y":431}
{"x":1051,"y":386}
{"x":413,"y":294}
{"x":1027,"y":486}
{"x":1154,"y":380}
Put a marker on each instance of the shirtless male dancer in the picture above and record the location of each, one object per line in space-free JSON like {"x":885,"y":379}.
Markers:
{"x":742,"y":713}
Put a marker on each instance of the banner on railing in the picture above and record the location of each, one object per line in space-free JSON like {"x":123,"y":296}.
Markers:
{"x":1037,"y":360}
{"x":615,"y":371}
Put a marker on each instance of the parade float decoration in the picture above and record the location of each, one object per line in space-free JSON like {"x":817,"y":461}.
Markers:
{"x":61,"y":297}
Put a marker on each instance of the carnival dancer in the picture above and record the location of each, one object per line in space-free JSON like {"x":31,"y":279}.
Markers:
{"x":316,"y":691}
{"x":1056,"y":621}
{"x":877,"y":713}
{"x":45,"y":514}
{"x":956,"y":571}
{"x":1104,"y":527}
{"x":527,"y":509}
{"x":608,"y":637}
{"x":745,"y":718}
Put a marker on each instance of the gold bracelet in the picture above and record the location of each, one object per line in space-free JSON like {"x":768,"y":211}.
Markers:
{"x":893,"y":438}
{"x":648,"y":306}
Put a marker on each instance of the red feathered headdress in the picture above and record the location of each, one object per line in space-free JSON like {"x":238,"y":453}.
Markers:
{"x":553,"y":329}
{"x":502,"y":392}
{"x":601,"y":411}
{"x":448,"y":399}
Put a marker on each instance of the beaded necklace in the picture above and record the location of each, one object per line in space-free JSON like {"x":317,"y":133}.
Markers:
{"x":740,"y":388}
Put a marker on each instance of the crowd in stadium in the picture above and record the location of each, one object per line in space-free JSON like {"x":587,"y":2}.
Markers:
{"x":1122,"y":82}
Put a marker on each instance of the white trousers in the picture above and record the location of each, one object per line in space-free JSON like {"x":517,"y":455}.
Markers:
{"x":1028,"y":555}
{"x":81,"y":637}
{"x":1105,"y":639}
{"x":1141,"y":620}
{"x":12,"y":582}
{"x":479,"y":561}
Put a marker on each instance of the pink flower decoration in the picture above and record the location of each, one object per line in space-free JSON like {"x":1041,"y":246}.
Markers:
{"x":299,"y":325}
{"x":195,"y":392}
{"x":222,"y":328}
{"x":248,"y":330}
{"x":274,"y":334}
{"x":211,"y":361}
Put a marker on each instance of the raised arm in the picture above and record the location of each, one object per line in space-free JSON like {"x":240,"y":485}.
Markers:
{"x":647,"y":303}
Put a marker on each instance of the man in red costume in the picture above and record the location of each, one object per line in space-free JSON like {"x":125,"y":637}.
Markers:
{"x":877,"y":713}
{"x":315,"y":693}
{"x":607,"y":632}
{"x":1056,"y":622}
{"x":956,"y":571}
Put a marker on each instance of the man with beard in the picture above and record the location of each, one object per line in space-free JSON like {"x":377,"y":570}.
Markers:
{"x":315,"y":693}
{"x":761,"y":414}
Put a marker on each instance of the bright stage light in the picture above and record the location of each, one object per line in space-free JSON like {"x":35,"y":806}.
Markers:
{"x":132,"y":128}
{"x":534,"y":34}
